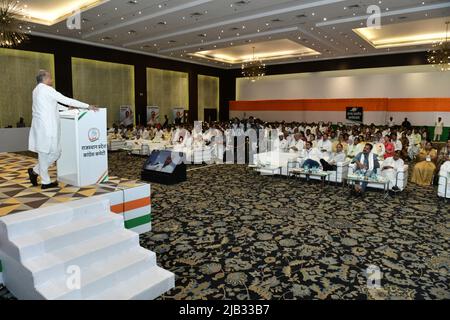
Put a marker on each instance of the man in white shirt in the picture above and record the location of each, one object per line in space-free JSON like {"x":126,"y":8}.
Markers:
{"x":325,"y":146}
{"x":390,"y":168}
{"x":296,"y":144}
{"x":158,"y":135}
{"x":391,"y":122}
{"x":397,"y":142}
{"x":176,"y":134}
{"x":145,"y":134}
{"x":280,"y":144}
{"x":337,"y":157}
{"x":311,"y":156}
{"x":354,"y":148}
{"x":438,"y":129}
{"x":46,"y":127}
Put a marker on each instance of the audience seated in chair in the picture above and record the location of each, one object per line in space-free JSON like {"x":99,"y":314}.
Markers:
{"x":425,"y":167}
{"x":311,"y":156}
{"x":330,"y":164}
{"x":391,"y":166}
{"x":366,"y":164}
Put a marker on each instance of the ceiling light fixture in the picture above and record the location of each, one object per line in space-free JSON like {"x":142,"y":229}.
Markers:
{"x":11,"y":34}
{"x":439,"y":55}
{"x":253,"y":69}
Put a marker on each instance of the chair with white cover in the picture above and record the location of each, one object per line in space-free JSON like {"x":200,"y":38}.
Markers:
{"x":444,"y":181}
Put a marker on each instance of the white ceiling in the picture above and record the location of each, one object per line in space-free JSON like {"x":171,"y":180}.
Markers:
{"x":266,"y":50}
{"x":406,"y":33}
{"x":176,"y":29}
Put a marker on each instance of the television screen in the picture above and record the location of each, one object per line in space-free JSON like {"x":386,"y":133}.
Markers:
{"x":162,"y":161}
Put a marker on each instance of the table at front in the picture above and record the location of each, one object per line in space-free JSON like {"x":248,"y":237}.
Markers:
{"x":323,"y":175}
{"x":270,"y":169}
{"x":361,"y":179}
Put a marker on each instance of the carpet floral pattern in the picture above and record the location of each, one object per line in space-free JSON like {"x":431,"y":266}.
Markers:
{"x":228,"y":233}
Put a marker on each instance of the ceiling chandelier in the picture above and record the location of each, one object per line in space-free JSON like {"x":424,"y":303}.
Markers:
{"x":253,"y":69}
{"x":439,"y":55}
{"x":10,"y":32}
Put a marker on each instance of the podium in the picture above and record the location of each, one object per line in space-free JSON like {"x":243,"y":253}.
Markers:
{"x":84,"y":157}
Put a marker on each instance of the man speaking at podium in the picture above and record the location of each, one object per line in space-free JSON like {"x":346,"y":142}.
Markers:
{"x":45,"y":127}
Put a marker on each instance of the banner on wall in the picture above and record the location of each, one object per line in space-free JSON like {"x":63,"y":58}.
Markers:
{"x":355,"y":114}
{"x":126,"y":116}
{"x":152,"y":115}
{"x":178,"y":112}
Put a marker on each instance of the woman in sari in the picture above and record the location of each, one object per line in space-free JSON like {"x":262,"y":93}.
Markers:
{"x":388,"y":147}
{"x":425,"y":167}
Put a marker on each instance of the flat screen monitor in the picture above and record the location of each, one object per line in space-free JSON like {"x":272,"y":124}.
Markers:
{"x":162,"y":161}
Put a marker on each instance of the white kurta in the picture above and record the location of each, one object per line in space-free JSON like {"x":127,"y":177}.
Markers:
{"x":398,"y":145}
{"x":299,"y":145}
{"x":45,"y":126}
{"x":438,"y":128}
{"x":391,"y":174}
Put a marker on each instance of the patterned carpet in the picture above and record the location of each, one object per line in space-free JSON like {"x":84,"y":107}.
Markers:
{"x":228,"y":233}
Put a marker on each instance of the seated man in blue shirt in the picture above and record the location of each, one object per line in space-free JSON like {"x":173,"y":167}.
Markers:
{"x":366,"y":164}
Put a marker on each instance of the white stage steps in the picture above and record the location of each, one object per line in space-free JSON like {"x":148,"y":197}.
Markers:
{"x":38,"y":248}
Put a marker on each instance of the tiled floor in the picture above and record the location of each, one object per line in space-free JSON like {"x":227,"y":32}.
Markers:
{"x":17,"y":194}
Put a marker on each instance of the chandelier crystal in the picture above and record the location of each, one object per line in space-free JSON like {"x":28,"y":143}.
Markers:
{"x":439,"y":55}
{"x":253,"y":69}
{"x":10,"y":32}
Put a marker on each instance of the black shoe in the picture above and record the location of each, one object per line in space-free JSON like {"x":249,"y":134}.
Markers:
{"x":33,"y":177}
{"x":395,"y":188}
{"x":50,"y":186}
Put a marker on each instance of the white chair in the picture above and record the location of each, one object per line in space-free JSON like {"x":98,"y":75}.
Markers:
{"x":115,"y":145}
{"x":275,"y":159}
{"x":444,"y":181}
{"x":341,"y":172}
